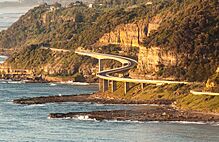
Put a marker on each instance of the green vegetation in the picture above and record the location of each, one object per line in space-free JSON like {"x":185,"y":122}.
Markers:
{"x":70,"y":27}
{"x":107,"y":22}
{"x":177,"y":93}
{"x":189,"y":29}
{"x":48,"y":27}
{"x":192,"y":31}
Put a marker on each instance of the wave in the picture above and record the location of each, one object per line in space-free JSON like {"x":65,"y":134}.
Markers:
{"x":187,"y":122}
{"x":15,"y":82}
{"x":215,"y":124}
{"x":87,"y":118}
{"x":77,"y":117}
{"x":3,"y":81}
{"x":124,"y":121}
{"x":75,"y":83}
{"x":52,"y":84}
{"x":152,"y":105}
{"x":168,"y":122}
{"x":35,"y":105}
{"x":194,"y":123}
{"x":83,"y":117}
{"x":4,"y":57}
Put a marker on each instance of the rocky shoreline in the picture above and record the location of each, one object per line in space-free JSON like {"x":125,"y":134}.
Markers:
{"x":162,"y":111}
{"x":146,"y":113}
{"x":84,"y":98}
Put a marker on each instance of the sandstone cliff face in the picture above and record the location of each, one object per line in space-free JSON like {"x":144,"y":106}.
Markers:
{"x":152,"y":59}
{"x":47,"y":18}
{"x":131,"y":34}
{"x":126,"y":35}
{"x":154,"y":24}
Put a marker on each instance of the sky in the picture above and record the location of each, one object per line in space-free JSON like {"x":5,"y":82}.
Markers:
{"x":7,"y":0}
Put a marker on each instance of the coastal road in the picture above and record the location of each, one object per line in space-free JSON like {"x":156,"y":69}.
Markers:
{"x":204,"y":93}
{"x":56,"y":49}
{"x":127,"y":64}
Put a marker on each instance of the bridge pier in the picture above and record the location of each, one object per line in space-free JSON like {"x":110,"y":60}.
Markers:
{"x":113,"y":86}
{"x":100,"y":65}
{"x":126,"y":87}
{"x":142,"y":86}
{"x":100,"y":84}
{"x":105,"y":85}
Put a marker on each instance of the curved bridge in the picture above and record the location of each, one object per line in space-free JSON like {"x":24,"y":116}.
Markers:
{"x":127,"y":63}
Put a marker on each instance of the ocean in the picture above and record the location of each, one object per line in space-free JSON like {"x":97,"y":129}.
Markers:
{"x":9,"y":15}
{"x":22,"y":123}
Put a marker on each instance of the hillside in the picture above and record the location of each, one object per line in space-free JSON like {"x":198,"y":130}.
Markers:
{"x":176,"y":39}
{"x":187,"y":41}
{"x":58,"y":27}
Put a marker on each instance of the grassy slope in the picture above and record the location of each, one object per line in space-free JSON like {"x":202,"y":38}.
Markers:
{"x":178,"y":94}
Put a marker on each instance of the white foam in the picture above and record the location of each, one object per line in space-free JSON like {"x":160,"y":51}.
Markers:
{"x":3,"y":82}
{"x":4,"y":57}
{"x":75,"y":83}
{"x":134,"y":105}
{"x":188,"y":122}
{"x":215,"y":124}
{"x":84,"y":118}
{"x":80,"y":83}
{"x":16,"y":82}
{"x":35,"y":105}
{"x":123,"y":121}
{"x":52,"y":84}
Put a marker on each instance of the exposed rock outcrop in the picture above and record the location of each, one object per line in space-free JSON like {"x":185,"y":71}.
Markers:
{"x":126,"y":35}
{"x":154,"y":58}
{"x":131,"y":34}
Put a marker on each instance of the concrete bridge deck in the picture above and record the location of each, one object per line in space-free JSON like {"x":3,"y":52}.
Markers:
{"x":127,"y":64}
{"x":204,"y":93}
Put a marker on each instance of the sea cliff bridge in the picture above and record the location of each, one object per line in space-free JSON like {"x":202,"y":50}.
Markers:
{"x":106,"y":76}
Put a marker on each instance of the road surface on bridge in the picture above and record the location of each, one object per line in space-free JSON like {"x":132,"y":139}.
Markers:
{"x":127,"y":64}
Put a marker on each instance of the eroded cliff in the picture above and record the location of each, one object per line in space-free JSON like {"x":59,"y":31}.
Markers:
{"x":126,"y":35}
{"x":153,"y":59}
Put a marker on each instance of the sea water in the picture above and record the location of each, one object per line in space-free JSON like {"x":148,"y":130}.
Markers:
{"x":27,"y":123}
{"x":9,"y":15}
{"x":23,"y":123}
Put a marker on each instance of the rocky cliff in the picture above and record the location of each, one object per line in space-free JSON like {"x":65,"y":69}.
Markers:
{"x":126,"y":35}
{"x":153,"y":59}
{"x":182,"y":46}
{"x":132,"y":34}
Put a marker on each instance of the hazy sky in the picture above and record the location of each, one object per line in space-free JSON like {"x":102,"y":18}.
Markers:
{"x":7,"y":0}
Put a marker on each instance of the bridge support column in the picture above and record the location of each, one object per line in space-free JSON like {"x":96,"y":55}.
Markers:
{"x":105,"y":85}
{"x":142,"y":86}
{"x":100,"y":84}
{"x":100,"y":65}
{"x":126,"y":87}
{"x":114,"y":87}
